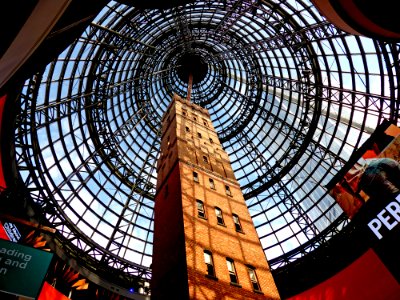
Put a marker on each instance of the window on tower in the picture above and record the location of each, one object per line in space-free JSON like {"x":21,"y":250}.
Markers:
{"x":236,"y":220}
{"x":195,"y":177}
{"x":187,"y":129}
{"x":211,"y":140}
{"x":199,"y":135}
{"x":228,"y":190}
{"x":212,"y":185}
{"x":208,"y":259}
{"x":200,"y":209}
{"x":220,"y":218}
{"x":253,"y":278}
{"x":232,"y":271}
{"x":205,"y":159}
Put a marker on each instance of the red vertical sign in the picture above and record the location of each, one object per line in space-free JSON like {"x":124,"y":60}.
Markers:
{"x":3,"y":234}
{"x":2,"y":180}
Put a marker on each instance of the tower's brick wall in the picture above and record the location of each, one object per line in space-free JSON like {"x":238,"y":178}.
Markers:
{"x":223,"y":241}
{"x":190,"y":144}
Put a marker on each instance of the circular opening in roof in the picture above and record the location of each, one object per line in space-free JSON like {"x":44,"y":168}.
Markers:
{"x":191,"y":63}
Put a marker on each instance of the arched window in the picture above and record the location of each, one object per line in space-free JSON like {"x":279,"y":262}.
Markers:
{"x":220,"y":218}
{"x":200,"y":209}
{"x":232,"y":271}
{"x":228,"y":190}
{"x":236,"y":220}
{"x":208,"y":259}
{"x":212,"y":185}
{"x":195,"y":177}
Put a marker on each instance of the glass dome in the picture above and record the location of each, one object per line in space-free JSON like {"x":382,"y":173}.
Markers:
{"x":290,"y":95}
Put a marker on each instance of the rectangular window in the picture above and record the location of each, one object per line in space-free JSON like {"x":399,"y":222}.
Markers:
{"x":195,"y":177}
{"x":200,"y":209}
{"x":208,"y":259}
{"x":187,"y":129}
{"x":236,"y":220}
{"x":211,"y":140}
{"x":220,"y":218}
{"x":212,"y":185}
{"x":205,"y":159}
{"x":253,"y":278}
{"x":199,"y":135}
{"x":232,"y":271}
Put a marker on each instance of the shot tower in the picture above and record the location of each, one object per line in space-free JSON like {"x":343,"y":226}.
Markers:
{"x":205,"y":243}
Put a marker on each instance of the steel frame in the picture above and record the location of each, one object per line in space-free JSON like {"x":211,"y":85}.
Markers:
{"x":285,"y":90}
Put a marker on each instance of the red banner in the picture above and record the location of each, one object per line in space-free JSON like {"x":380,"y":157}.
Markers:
{"x":366,"y":278}
{"x":48,"y":292}
{"x":3,"y":234}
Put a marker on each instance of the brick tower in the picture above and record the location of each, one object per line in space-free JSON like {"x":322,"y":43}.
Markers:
{"x":205,"y":243}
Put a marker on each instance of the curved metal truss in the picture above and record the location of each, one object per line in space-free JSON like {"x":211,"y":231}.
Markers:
{"x":290,"y":96}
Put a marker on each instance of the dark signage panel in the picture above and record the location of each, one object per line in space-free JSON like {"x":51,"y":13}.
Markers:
{"x":22,"y":269}
{"x":368,"y":191}
{"x":380,"y":222}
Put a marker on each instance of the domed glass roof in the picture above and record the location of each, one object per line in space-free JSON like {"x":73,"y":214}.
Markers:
{"x":290,"y":96}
